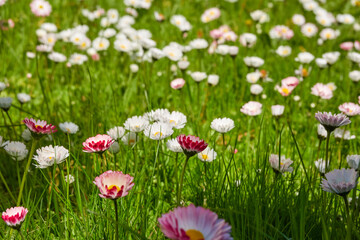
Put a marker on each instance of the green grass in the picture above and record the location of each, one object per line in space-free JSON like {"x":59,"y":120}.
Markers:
{"x":100,"y":95}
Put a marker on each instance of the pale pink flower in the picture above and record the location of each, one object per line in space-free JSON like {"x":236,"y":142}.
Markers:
{"x":194,"y":223}
{"x":114,"y":184}
{"x":347,"y":46}
{"x":322,"y":91}
{"x":210,"y":15}
{"x":251,"y":108}
{"x":177,"y":83}
{"x":332,"y":121}
{"x":40,"y":8}
{"x":350,"y":109}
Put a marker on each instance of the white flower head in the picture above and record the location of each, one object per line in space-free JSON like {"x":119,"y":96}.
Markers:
{"x":69,"y":127}
{"x":158,"y":131}
{"x":174,"y":146}
{"x":17,"y":150}
{"x":130,"y":138}
{"x":208,"y":155}
{"x":353,"y":161}
{"x":47,"y":156}
{"x":222,"y":125}
{"x":23,"y":97}
{"x":136,"y":124}
{"x":116,"y":132}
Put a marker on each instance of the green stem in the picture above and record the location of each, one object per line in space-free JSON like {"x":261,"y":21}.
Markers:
{"x":181,"y":181}
{"x":116,"y":221}
{"x":327,"y":151}
{"x":7,"y":187}
{"x":21,"y":235}
{"x":33,"y":146}
{"x":12,"y":124}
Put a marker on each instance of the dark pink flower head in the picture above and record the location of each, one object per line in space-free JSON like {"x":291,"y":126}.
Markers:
{"x":191,"y":144}
{"x":177,"y":83}
{"x":194,"y":223}
{"x":347,"y":46}
{"x":39,"y":126}
{"x":99,"y":143}
{"x":14,"y":216}
{"x":114,"y":184}
{"x":290,"y":81}
{"x":332,"y":121}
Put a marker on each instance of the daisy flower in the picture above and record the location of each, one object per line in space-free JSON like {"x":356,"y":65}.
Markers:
{"x":339,"y":181}
{"x":39,"y":126}
{"x":130,"y":138}
{"x":5,"y":103}
{"x":158,"y":131}
{"x":191,"y":145}
{"x":332,"y":121}
{"x":177,"y":83}
{"x":114,"y":184}
{"x":47,"y":156}
{"x":69,"y":127}
{"x":14,"y":217}
{"x":176,"y":120}
{"x":174,"y":146}
{"x":284,"y":166}
{"x":23,"y":98}
{"x":208,"y":155}
{"x":116,"y":132}
{"x":136,"y":124}
{"x":194,"y":223}
{"x":40,"y":8}
{"x":98,"y":144}
{"x":353,"y":161}
{"x":251,"y":108}
{"x":350,"y":109}
{"x":210,"y":15}
{"x":277,"y":110}
{"x":222,"y":125}
{"x":16,"y":150}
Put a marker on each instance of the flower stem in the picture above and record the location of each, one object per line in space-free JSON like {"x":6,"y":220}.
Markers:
{"x":327,"y":151}
{"x":33,"y":146}
{"x":21,"y":235}
{"x":116,"y":220}
{"x":12,"y":124}
{"x":181,"y":181}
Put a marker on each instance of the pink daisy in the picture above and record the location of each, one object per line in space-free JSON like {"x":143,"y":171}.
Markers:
{"x":40,"y":8}
{"x":350,"y":109}
{"x":114,"y":184}
{"x":191,"y":144}
{"x":194,"y":223}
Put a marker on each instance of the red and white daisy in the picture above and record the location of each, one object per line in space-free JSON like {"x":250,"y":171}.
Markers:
{"x":98,"y":144}
{"x":39,"y":126}
{"x":191,"y":145}
{"x":14,"y":216}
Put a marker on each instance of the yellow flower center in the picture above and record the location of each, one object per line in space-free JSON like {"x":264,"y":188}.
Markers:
{"x":304,"y":72}
{"x":322,"y":21}
{"x":131,"y":141}
{"x":122,"y":46}
{"x":171,"y":54}
{"x":112,"y":186}
{"x":101,"y":45}
{"x":205,"y":157}
{"x":157,"y":133}
{"x":177,"y":22}
{"x":38,"y":126}
{"x":67,"y":129}
{"x":173,"y":121}
{"x":41,"y":6}
{"x":285,"y":51}
{"x":194,"y":234}
{"x":309,"y":29}
{"x":328,"y":35}
{"x":285,"y":90}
